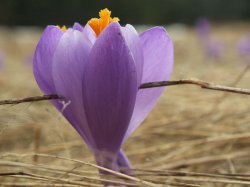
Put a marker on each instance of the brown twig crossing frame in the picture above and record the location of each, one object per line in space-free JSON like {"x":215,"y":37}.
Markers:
{"x":197,"y":82}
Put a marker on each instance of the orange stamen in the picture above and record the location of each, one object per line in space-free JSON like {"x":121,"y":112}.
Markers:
{"x":98,"y":25}
{"x":63,"y":28}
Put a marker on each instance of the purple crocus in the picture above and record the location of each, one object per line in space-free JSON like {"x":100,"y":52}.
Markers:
{"x":244,"y":47}
{"x":98,"y":70}
{"x":203,"y":29}
{"x":212,"y":47}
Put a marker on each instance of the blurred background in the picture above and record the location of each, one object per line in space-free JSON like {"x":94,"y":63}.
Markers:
{"x":41,"y":13}
{"x":189,"y":130}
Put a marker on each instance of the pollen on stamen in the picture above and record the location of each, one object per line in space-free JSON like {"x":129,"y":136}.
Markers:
{"x":63,"y":28}
{"x":99,"y":24}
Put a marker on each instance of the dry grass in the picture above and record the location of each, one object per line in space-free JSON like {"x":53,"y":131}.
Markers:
{"x":192,"y":138}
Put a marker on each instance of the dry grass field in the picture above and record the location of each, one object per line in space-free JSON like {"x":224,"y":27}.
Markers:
{"x":193,"y":137}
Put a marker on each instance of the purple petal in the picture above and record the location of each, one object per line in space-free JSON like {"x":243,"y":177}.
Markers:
{"x":78,"y":27}
{"x":110,"y":88}
{"x":203,"y":28}
{"x":158,"y":65}
{"x":69,"y":62}
{"x":42,"y":61}
{"x":89,"y":33}
{"x":213,"y":49}
{"x":134,"y":44}
{"x":115,"y":161}
{"x":107,"y":160}
{"x":123,"y":163}
{"x":244,"y":45}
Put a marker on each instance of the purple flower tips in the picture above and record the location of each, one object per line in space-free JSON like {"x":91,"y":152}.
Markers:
{"x":213,"y":48}
{"x":98,"y":69}
{"x":244,"y":46}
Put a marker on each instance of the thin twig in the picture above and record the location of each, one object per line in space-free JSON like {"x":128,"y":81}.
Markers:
{"x":29,"y":99}
{"x":45,"y":178}
{"x":114,"y":173}
{"x":222,"y":98}
{"x":202,"y":84}
{"x":205,"y":159}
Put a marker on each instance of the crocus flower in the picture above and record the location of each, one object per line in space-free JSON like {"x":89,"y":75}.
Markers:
{"x":98,"y":70}
{"x":212,"y":48}
{"x":244,"y":47}
{"x":203,"y":29}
